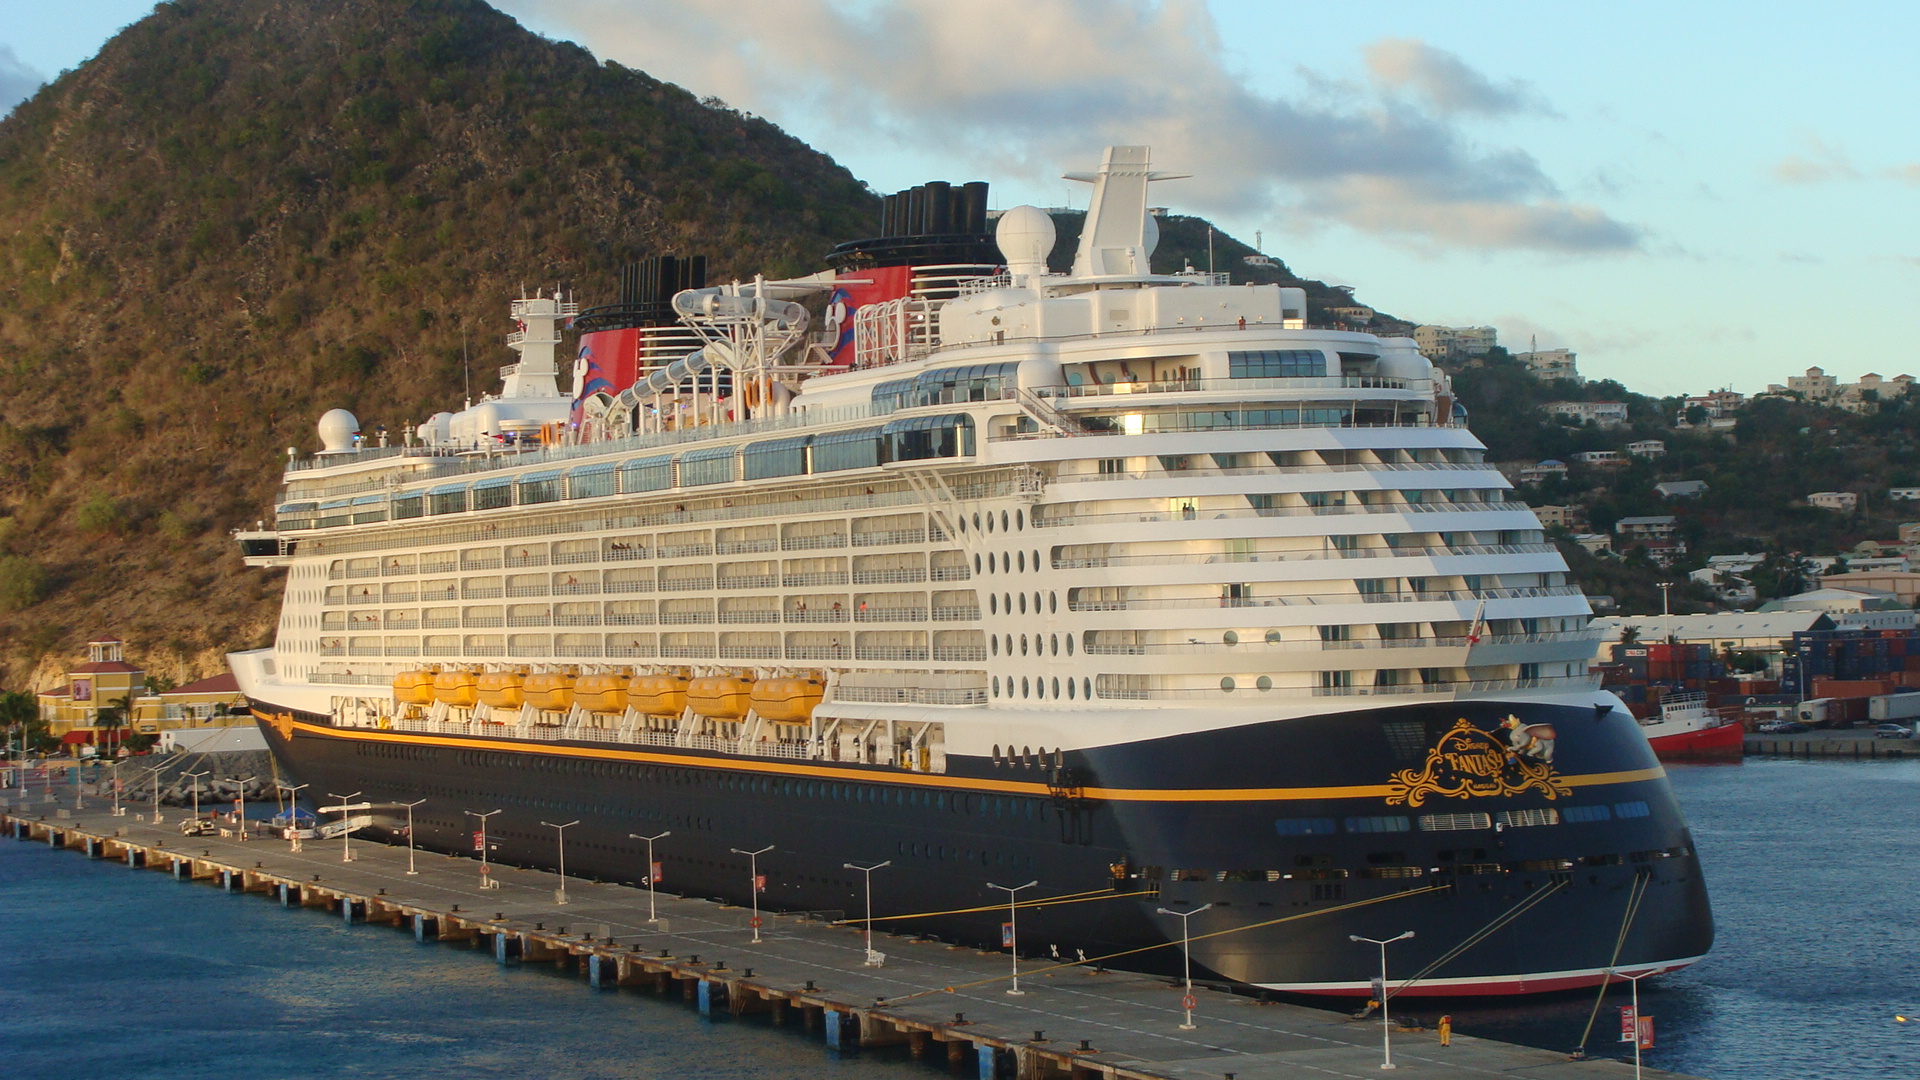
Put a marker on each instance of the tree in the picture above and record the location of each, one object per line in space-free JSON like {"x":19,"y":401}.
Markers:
{"x":20,"y":713}
{"x":114,"y":715}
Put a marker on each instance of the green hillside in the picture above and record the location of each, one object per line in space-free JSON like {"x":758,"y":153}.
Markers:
{"x":244,"y":212}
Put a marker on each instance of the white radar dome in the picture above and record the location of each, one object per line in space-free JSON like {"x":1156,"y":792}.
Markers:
{"x":1025,"y":236}
{"x":337,"y":429}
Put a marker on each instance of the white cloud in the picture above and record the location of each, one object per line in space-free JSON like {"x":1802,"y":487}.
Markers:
{"x":1025,"y":88}
{"x":17,"y":81}
{"x":1445,"y":80}
{"x":1823,"y":163}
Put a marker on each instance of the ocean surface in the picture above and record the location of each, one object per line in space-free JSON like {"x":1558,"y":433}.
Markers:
{"x":107,"y":973}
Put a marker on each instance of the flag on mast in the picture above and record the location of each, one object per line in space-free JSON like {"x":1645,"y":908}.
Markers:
{"x":1479,"y":627}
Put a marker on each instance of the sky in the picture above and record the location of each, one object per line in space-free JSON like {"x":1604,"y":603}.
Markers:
{"x":1688,"y":196}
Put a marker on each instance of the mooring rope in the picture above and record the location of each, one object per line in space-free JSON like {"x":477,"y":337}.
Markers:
{"x":1479,"y":935}
{"x":1634,"y":895}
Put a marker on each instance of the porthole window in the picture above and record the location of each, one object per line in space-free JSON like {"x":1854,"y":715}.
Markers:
{"x":1227,"y":684}
{"x":1053,"y":608}
{"x":1019,"y":519}
{"x":1056,"y":688}
{"x":1023,"y":603}
{"x":994,"y":644}
{"x":1036,"y":603}
{"x":1231,"y":637}
{"x":1003,"y":521}
{"x":1264,"y":682}
{"x":1069,"y":681}
{"x":976,"y":564}
{"x":1006,"y":600}
{"x":1069,"y":644}
{"x":1025,"y":687}
{"x":1023,"y":644}
{"x":1040,"y":688}
{"x":1086,"y":687}
{"x":1273,"y":637}
{"x":1053,"y":644}
{"x":1036,"y":560}
{"x":976,"y":521}
{"x":996,"y":693}
{"x":993,"y":604}
{"x":989,"y":522}
{"x":1023,"y":562}
{"x":963,"y":524}
{"x":1009,"y":641}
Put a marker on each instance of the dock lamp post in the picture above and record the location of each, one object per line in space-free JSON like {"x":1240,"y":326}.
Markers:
{"x":292,"y":793}
{"x":753,"y":867}
{"x":560,"y":832}
{"x":195,"y":777}
{"x":1186,"y":957}
{"x":874,"y":959}
{"x":155,"y":774}
{"x":410,"y":806}
{"x":118,"y":810}
{"x":651,"y":876}
{"x":1386,"y":1028}
{"x":1013,"y":928}
{"x":346,"y":831}
{"x":240,"y":803}
{"x":486,"y":881}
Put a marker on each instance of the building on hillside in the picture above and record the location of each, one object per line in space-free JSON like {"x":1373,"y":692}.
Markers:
{"x":1815,"y":386}
{"x":1604,"y":414}
{"x":1680,"y":489}
{"x":1735,"y":564}
{"x":1595,"y":543}
{"x":1860,"y":564}
{"x":1604,"y":459}
{"x":1442,"y":343}
{"x":1729,"y":588}
{"x":1549,"y":469}
{"x":1655,"y":527}
{"x":1550,"y":364}
{"x":1554,"y":516}
{"x":1647,"y":448}
{"x":1903,"y":494}
{"x":1851,"y":609}
{"x":1903,"y":585}
{"x":1717,"y":404}
{"x":72,"y":709}
{"x":1353,"y":314}
{"x":1864,"y":396}
{"x":1843,"y":501}
{"x":1768,"y":633}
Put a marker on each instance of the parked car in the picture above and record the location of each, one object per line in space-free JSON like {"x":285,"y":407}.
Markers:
{"x":1893,"y":731}
{"x":1781,"y":727}
{"x":198,"y":827}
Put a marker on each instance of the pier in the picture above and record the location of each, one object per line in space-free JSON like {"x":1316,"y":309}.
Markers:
{"x":1827,"y":745}
{"x":809,"y":970}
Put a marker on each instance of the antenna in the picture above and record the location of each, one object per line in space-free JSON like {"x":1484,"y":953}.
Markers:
{"x":466,"y":367}
{"x":1209,"y":249}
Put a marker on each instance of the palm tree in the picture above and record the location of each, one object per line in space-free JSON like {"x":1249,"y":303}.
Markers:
{"x":114,"y":715}
{"x":18,"y":711}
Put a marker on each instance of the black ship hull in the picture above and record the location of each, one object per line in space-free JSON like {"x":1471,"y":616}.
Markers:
{"x":1517,"y":866}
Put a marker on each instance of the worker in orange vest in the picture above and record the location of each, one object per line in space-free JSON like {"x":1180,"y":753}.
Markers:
{"x":1445,"y":1027}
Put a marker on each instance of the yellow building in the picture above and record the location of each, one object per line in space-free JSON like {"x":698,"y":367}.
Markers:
{"x":106,"y":680}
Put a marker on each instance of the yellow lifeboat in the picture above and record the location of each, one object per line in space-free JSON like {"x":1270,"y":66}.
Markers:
{"x":601,"y":693}
{"x":413,"y":687}
{"x":502,"y":689}
{"x":720,"y":697}
{"x":550,"y":691}
{"x":787,"y":701}
{"x":658,"y":695}
{"x":457,"y":686}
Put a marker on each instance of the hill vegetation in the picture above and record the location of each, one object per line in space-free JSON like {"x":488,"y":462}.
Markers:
{"x":244,"y":212}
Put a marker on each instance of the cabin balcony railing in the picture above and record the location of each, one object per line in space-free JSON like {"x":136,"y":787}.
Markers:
{"x":890,"y":536}
{"x":1218,"y":557}
{"x":828,"y":616}
{"x":912,"y":695}
{"x":743,"y":547}
{"x":811,"y":543}
{"x":890,"y":614}
{"x":685,"y":618}
{"x":951,"y":573}
{"x":1050,"y":521}
{"x":749,"y":652}
{"x":834,"y":577}
{"x":955,"y":614}
{"x":964,"y":654}
{"x":888,"y":577}
{"x":765,"y":581}
{"x":750,"y":616}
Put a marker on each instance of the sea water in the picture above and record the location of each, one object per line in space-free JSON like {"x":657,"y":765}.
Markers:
{"x":1812,"y":867}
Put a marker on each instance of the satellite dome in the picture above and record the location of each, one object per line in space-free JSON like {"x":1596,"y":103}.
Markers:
{"x":337,"y":429}
{"x":1025,"y":236}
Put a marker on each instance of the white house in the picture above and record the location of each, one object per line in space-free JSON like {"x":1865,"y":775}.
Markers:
{"x":1601,"y":413}
{"x":1680,"y":489}
{"x":1843,"y":501}
{"x":1911,"y":494}
{"x":1647,"y":448}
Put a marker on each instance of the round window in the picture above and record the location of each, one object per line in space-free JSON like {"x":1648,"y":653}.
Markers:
{"x":1227,"y":684}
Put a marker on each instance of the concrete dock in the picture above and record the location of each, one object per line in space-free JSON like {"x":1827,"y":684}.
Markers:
{"x":1070,"y":1023}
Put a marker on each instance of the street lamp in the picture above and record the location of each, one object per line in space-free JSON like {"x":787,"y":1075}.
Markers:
{"x":1186,"y":957}
{"x":486,"y":882}
{"x":240,"y":803}
{"x":560,"y":831}
{"x":195,"y":777}
{"x":1635,"y":980}
{"x":753,"y":868}
{"x":874,"y":959}
{"x":346,"y":831}
{"x":651,"y":876}
{"x":1013,"y":927}
{"x":118,"y":810}
{"x":410,"y":807}
{"x":1386,"y":1029}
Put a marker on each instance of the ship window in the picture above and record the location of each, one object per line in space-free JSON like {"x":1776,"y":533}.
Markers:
{"x":1003,"y":521}
{"x":996,"y":693}
{"x":1634,"y":809}
{"x":1056,"y":692}
{"x":1024,"y":687}
{"x":1304,"y":826}
{"x":1053,"y":644}
{"x":993,"y":643}
{"x":1086,"y":687}
{"x":1051,"y":597}
{"x":408,"y":506}
{"x":781,"y":457}
{"x":1227,"y":684}
{"x":1382,"y":823}
{"x":1586,"y":814}
{"x":1023,"y":644}
{"x":707,"y":465}
{"x":925,"y":437}
{"x":1454,"y":822}
{"x":591,"y":481}
{"x":993,"y":604}
{"x":1522,"y":818}
{"x":493,"y":494}
{"x":1276,"y":364}
{"x":539,"y":487}
{"x":448,"y":499}
{"x":1022,"y":562}
{"x":646,"y":474}
{"x":1023,"y":603}
{"x":846,"y":450}
{"x":1019,"y":523}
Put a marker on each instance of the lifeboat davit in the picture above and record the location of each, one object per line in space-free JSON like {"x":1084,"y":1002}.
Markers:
{"x":601,"y":693}
{"x":502,"y":689}
{"x":413,"y":687}
{"x":787,"y":701}
{"x":720,"y":697}
{"x":457,"y":686}
{"x":550,"y":691}
{"x":658,"y":695}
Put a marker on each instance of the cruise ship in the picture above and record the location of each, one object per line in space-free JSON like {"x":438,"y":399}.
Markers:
{"x":1138,"y":586}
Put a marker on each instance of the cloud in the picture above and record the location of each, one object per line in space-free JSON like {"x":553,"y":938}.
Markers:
{"x":1025,"y":88}
{"x":1823,"y":164}
{"x":1907,"y":174}
{"x":17,"y":81}
{"x":1445,"y":80}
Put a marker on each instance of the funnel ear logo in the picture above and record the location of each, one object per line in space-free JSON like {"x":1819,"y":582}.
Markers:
{"x":1468,"y":763}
